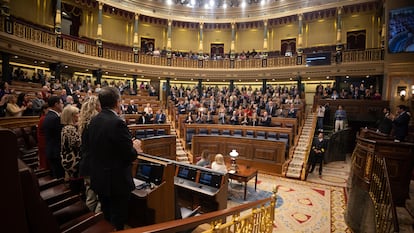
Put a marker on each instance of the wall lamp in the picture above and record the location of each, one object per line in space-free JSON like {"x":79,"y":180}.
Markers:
{"x":402,"y":92}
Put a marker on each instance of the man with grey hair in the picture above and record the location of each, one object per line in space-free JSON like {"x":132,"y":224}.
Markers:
{"x":111,"y":151}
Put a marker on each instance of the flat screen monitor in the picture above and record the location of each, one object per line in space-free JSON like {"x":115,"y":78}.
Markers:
{"x":210,"y":179}
{"x":150,"y":172}
{"x":187,"y":173}
{"x":318,"y":59}
{"x":401,"y":30}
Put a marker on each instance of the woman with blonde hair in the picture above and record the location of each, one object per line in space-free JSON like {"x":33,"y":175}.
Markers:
{"x":70,"y":147}
{"x":218,"y":164}
{"x":12,"y":109}
{"x":90,"y":108}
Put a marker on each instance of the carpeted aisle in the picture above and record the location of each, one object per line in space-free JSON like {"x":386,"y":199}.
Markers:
{"x":301,"y":206}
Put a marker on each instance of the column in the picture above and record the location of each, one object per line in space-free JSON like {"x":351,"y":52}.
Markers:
{"x":300,"y":40}
{"x":99,"y":31}
{"x":339,"y":45}
{"x":231,"y":86}
{"x":169,"y":28}
{"x":383,"y":30}
{"x":135,"y":42}
{"x":200,"y":46}
{"x":98,"y":76}
{"x":168,"y":87}
{"x":299,"y":85}
{"x":264,"y":86}
{"x":5,"y":66}
{"x":134,"y":83}
{"x":200,"y":88}
{"x":232,"y":45}
{"x":264,"y":58}
{"x":58,"y":24}
{"x":5,"y":12}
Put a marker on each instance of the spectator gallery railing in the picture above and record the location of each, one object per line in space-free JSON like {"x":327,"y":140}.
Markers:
{"x":85,"y":46}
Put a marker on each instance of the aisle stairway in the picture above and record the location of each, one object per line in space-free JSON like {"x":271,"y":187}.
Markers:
{"x":297,"y":165}
{"x":181,"y":155}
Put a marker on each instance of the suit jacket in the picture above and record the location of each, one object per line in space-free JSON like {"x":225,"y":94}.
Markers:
{"x":143,"y":120}
{"x":132,"y":109}
{"x":111,"y":154}
{"x":52,"y":128}
{"x":401,"y":125}
{"x":159,"y":118}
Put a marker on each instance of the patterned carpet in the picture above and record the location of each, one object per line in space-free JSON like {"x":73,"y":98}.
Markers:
{"x":302,"y":206}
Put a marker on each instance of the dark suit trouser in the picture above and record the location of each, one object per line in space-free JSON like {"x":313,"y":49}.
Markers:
{"x":56,"y":167}
{"x":316,"y":158}
{"x":115,"y":209}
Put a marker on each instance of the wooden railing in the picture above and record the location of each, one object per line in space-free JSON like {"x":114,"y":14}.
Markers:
{"x":380,"y":192}
{"x":260,"y":219}
{"x":86,"y":46}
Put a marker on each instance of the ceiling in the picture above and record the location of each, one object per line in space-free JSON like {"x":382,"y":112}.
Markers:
{"x":254,"y":10}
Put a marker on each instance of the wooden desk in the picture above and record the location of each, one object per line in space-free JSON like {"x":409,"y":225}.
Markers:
{"x":244,"y":174}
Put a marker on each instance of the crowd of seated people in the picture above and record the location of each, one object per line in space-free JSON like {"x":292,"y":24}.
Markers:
{"x":352,"y":92}
{"x":242,"y":106}
{"x":206,"y":56}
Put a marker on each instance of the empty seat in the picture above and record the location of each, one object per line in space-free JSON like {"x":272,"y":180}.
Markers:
{"x":160,"y":132}
{"x":214,"y":132}
{"x":272,"y":136}
{"x":261,"y":135}
{"x":189,"y":136}
{"x":225,"y":132}
{"x":150,"y":133}
{"x":203,"y":131}
{"x":237,"y":133}
{"x":70,"y":216}
{"x":140,"y":133}
{"x":250,"y":133}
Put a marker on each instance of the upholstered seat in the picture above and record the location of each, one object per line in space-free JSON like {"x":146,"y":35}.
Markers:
{"x":74,"y":217}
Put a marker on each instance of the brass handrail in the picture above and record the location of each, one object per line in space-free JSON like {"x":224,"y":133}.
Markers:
{"x":261,"y":219}
{"x":386,"y":220}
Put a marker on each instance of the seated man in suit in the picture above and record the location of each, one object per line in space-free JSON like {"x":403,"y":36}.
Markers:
{"x":292,"y":111}
{"x":143,"y":119}
{"x":265,"y":120}
{"x":317,"y":153}
{"x":160,"y":117}
{"x":132,"y":108}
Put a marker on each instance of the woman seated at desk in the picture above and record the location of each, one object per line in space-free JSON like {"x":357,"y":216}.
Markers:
{"x":218,"y":164}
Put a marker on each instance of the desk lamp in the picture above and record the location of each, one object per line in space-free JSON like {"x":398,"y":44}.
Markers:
{"x":233,"y":154}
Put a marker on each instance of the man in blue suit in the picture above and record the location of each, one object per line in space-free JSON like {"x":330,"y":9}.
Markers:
{"x":52,"y":127}
{"x":112,"y":151}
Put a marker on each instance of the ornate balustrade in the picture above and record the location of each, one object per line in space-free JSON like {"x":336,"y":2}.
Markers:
{"x":40,"y":43}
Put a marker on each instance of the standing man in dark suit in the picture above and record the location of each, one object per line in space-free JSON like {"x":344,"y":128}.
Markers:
{"x":400,"y":123}
{"x":52,"y":127}
{"x":112,"y":151}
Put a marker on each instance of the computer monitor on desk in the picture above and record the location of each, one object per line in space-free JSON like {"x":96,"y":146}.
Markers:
{"x":150,"y":172}
{"x":187,"y":173}
{"x":210,"y":179}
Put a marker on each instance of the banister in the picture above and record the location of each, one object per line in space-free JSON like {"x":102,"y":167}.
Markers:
{"x":183,"y":224}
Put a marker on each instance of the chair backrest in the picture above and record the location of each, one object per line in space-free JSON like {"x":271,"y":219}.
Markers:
{"x":203,"y":131}
{"x":261,"y":134}
{"x":225,"y":132}
{"x":237,"y":132}
{"x":249,"y":133}
{"x":150,"y":133}
{"x":140,"y":133}
{"x":214,"y":132}
{"x":160,"y":132}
